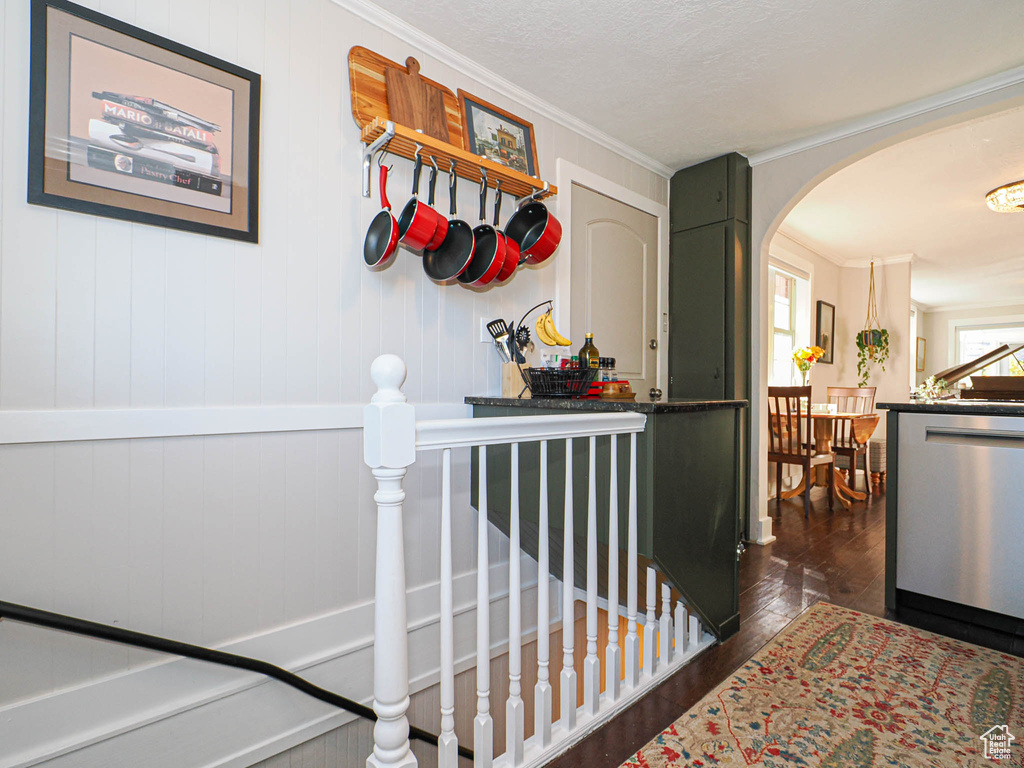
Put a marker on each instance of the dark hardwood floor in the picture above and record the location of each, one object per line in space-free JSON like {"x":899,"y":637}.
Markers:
{"x":838,"y":557}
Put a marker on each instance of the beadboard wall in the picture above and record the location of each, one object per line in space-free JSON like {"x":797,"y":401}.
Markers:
{"x":258,"y":534}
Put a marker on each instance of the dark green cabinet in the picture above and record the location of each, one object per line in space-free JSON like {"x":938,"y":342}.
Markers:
{"x":710,"y":288}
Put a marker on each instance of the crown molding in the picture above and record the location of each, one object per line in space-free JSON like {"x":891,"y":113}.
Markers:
{"x":841,"y":261}
{"x":993,"y":304}
{"x":901,"y":258}
{"x":789,"y":234}
{"x":999,"y":81}
{"x":431,"y":46}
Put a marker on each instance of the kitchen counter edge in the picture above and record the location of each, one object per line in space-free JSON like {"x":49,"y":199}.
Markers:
{"x":959,"y":407}
{"x":610,"y":406}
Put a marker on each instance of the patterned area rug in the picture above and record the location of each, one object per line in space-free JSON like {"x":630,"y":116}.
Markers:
{"x":841,"y":689}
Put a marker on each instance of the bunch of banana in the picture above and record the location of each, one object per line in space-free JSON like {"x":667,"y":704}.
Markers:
{"x":547,"y":332}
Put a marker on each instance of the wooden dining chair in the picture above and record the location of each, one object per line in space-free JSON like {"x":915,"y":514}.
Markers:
{"x":844,"y":439}
{"x":791,"y":440}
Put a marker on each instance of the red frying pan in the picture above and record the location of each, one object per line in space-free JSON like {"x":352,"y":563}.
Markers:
{"x":489,"y":254}
{"x":382,"y":236}
{"x":536,"y":230}
{"x":512,"y":254}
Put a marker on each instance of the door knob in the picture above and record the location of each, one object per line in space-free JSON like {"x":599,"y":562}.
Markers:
{"x":655,"y":393}
{"x":653,"y":343}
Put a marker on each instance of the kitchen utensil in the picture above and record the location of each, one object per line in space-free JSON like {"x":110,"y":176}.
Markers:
{"x":511,"y":246}
{"x":442,"y":222}
{"x":497,"y":328}
{"x":522,"y":337}
{"x":451,"y":258}
{"x":502,"y":351}
{"x":513,"y":347}
{"x":414,"y":102}
{"x":489,"y":254}
{"x":536,"y":230}
{"x":418,"y":221}
{"x":382,"y":237}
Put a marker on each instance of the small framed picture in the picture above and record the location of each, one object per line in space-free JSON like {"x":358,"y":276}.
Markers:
{"x":825,"y":337}
{"x":921,"y":343}
{"x":126,"y":124}
{"x":491,"y":132}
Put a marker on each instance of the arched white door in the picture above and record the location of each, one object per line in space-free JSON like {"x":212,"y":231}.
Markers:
{"x":614,"y":291}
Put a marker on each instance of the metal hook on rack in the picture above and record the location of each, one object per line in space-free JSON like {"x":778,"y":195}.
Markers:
{"x":535,"y":195}
{"x":381,"y":141}
{"x":381,"y":154}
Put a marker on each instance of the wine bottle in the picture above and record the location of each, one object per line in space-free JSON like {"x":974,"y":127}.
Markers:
{"x":588,"y":354}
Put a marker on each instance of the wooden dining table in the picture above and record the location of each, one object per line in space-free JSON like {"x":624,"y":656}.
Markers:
{"x":862,"y":426}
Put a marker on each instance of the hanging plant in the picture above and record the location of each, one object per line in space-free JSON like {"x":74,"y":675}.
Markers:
{"x":873,"y":341}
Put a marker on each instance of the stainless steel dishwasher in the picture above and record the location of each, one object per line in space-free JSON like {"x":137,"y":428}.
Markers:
{"x":960,"y":526}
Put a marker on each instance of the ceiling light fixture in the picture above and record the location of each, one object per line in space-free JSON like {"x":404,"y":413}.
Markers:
{"x":1008,"y":198}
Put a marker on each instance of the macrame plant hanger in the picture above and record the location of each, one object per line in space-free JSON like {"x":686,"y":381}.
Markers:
{"x":872,"y":333}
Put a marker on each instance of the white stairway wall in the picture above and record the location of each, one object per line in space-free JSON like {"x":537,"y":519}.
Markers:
{"x":214,"y":538}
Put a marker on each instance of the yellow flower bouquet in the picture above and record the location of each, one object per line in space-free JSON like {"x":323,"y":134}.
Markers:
{"x":805,"y":358}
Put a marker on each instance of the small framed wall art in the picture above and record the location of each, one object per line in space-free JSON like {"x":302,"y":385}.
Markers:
{"x":127,"y":124}
{"x":826,"y":335}
{"x":491,"y":132}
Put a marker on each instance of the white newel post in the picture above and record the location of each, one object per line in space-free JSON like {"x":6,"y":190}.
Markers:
{"x":389,"y":447}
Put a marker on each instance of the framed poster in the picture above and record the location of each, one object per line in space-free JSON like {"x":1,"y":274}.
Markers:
{"x":921,"y":344}
{"x":126,"y":124}
{"x":825,"y":337}
{"x":491,"y":132}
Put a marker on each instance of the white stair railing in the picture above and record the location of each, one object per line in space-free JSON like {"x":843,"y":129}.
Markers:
{"x":392,"y":437}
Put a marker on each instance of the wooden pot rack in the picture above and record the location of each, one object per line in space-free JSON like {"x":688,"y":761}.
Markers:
{"x":368,"y":87}
{"x":403,"y":142}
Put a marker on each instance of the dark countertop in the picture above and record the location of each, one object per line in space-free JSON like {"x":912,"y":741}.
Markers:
{"x":960,"y":407}
{"x":665,"y":406}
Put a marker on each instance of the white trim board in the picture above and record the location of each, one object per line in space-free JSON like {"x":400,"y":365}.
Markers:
{"x":58,"y":426}
{"x":566,"y":174}
{"x":231,"y":718}
{"x":997,"y":82}
{"x":404,"y":31}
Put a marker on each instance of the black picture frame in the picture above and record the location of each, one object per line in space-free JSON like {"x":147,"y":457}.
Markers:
{"x":825,"y":336}
{"x":147,"y":181}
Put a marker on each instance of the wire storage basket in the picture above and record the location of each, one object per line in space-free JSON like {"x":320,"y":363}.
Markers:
{"x":558,"y":382}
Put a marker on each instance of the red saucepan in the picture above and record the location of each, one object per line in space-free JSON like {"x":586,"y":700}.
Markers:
{"x":489,"y":254}
{"x":512,"y":254}
{"x":536,"y":230}
{"x":382,"y":236}
{"x":442,"y":222}
{"x":418,"y":221}
{"x":452,"y":257}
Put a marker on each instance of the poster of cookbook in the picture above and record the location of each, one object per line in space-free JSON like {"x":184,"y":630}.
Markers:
{"x":129,"y":125}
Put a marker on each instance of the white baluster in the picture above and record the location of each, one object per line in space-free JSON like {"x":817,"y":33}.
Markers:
{"x":632,"y":638}
{"x":665,"y":634}
{"x":389,"y":447}
{"x":542,"y":691}
{"x":568,"y":676}
{"x":515,"y":709}
{"x":695,"y":630}
{"x":483,"y":726}
{"x":680,"y":625}
{"x":447,"y":742}
{"x":651,"y":626}
{"x":612,"y":657}
{"x":591,"y":664}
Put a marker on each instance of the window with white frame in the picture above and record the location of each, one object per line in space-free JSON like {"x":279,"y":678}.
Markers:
{"x":789,"y":303}
{"x":974,"y":341}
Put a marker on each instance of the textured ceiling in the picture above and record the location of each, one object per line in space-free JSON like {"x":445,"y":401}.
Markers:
{"x":684,"y":81}
{"x":926,"y":196}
